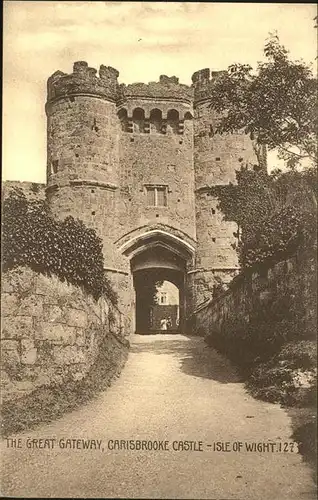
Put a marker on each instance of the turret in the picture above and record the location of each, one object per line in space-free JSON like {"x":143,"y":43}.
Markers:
{"x":216,"y":159}
{"x":217,"y":156}
{"x":82,"y":146}
{"x":202,"y":81}
{"x":83,"y":80}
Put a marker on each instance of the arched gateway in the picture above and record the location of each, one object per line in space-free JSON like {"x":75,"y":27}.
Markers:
{"x":137,"y":163}
{"x":157,"y":256}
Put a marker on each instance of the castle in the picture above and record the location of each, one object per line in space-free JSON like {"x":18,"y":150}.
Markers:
{"x":137,"y":163}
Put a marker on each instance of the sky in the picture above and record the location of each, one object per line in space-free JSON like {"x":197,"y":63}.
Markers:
{"x":140,"y":39}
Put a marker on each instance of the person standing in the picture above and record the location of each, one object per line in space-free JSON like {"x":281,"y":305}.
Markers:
{"x":163,"y":324}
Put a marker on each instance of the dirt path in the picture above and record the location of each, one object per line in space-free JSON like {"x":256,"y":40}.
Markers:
{"x":173,"y":388}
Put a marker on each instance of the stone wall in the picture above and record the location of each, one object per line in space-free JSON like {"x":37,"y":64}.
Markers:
{"x":202,"y":283}
{"x":52,"y":332}
{"x":252,"y":291}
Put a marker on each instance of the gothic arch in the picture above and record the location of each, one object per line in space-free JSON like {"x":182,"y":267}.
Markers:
{"x":142,"y":240}
{"x":138,"y":117}
{"x":123,"y":117}
{"x":173,"y":120}
{"x":155,"y":120}
{"x":157,"y":255}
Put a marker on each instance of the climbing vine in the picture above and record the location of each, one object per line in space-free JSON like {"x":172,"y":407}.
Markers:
{"x":275,"y":213}
{"x":275,"y":103}
{"x":32,"y":237}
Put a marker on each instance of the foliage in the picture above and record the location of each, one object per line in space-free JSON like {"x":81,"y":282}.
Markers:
{"x":299,"y":354}
{"x":306,"y":437}
{"x":286,"y":315}
{"x":275,"y":349}
{"x":289,"y":377}
{"x":32,"y":237}
{"x":275,"y":213}
{"x":276,"y":105}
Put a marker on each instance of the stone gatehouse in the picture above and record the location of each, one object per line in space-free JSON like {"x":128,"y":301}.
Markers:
{"x":136,"y":162}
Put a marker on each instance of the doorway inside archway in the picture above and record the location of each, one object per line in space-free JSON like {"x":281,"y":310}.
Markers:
{"x":159,"y":282}
{"x":165,"y":313}
{"x":159,"y":300}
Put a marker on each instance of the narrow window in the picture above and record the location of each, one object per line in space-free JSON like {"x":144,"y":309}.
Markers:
{"x":139,"y":120}
{"x":157,"y":196}
{"x":155,"y":121}
{"x":173,"y":120}
{"x":151,"y":198}
{"x":163,"y":298}
{"x":123,"y":117}
{"x":161,"y":197}
{"x":54,"y":166}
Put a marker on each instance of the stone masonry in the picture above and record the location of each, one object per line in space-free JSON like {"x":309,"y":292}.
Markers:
{"x":136,"y":162}
{"x":52,"y":332}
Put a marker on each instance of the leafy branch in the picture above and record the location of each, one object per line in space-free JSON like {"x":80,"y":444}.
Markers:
{"x":276,"y":104}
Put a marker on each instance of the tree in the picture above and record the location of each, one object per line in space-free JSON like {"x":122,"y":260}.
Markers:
{"x":276,"y":105}
{"x":275,"y":214}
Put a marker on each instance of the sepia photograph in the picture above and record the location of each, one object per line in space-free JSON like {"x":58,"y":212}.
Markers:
{"x":159,"y":250}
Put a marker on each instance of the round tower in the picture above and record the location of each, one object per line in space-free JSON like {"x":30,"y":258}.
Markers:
{"x":82,"y":148}
{"x":216,"y":158}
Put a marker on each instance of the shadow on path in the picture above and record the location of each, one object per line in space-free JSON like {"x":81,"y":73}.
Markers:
{"x":195,"y":357}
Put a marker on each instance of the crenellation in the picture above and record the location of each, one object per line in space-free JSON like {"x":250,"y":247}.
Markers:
{"x":91,"y":72}
{"x":168,"y":79}
{"x":80,"y":68}
{"x":84,"y":80}
{"x":167,"y":88}
{"x":201,"y":77}
{"x":202,"y":81}
{"x":108,"y":72}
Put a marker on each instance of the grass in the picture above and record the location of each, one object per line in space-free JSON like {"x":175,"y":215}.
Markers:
{"x":49,"y":403}
{"x":289,"y":378}
{"x":304,"y":424}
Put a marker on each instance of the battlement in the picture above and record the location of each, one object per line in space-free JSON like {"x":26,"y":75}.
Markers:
{"x":84,"y":80}
{"x":202,"y":81}
{"x":166,"y":88}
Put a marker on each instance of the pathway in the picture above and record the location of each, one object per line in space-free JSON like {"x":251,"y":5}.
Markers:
{"x":173,"y":388}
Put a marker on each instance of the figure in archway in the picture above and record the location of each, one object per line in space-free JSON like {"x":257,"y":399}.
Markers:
{"x":164,"y":324}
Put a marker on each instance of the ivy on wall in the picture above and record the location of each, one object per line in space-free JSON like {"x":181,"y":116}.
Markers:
{"x":32,"y":237}
{"x":275,"y":213}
